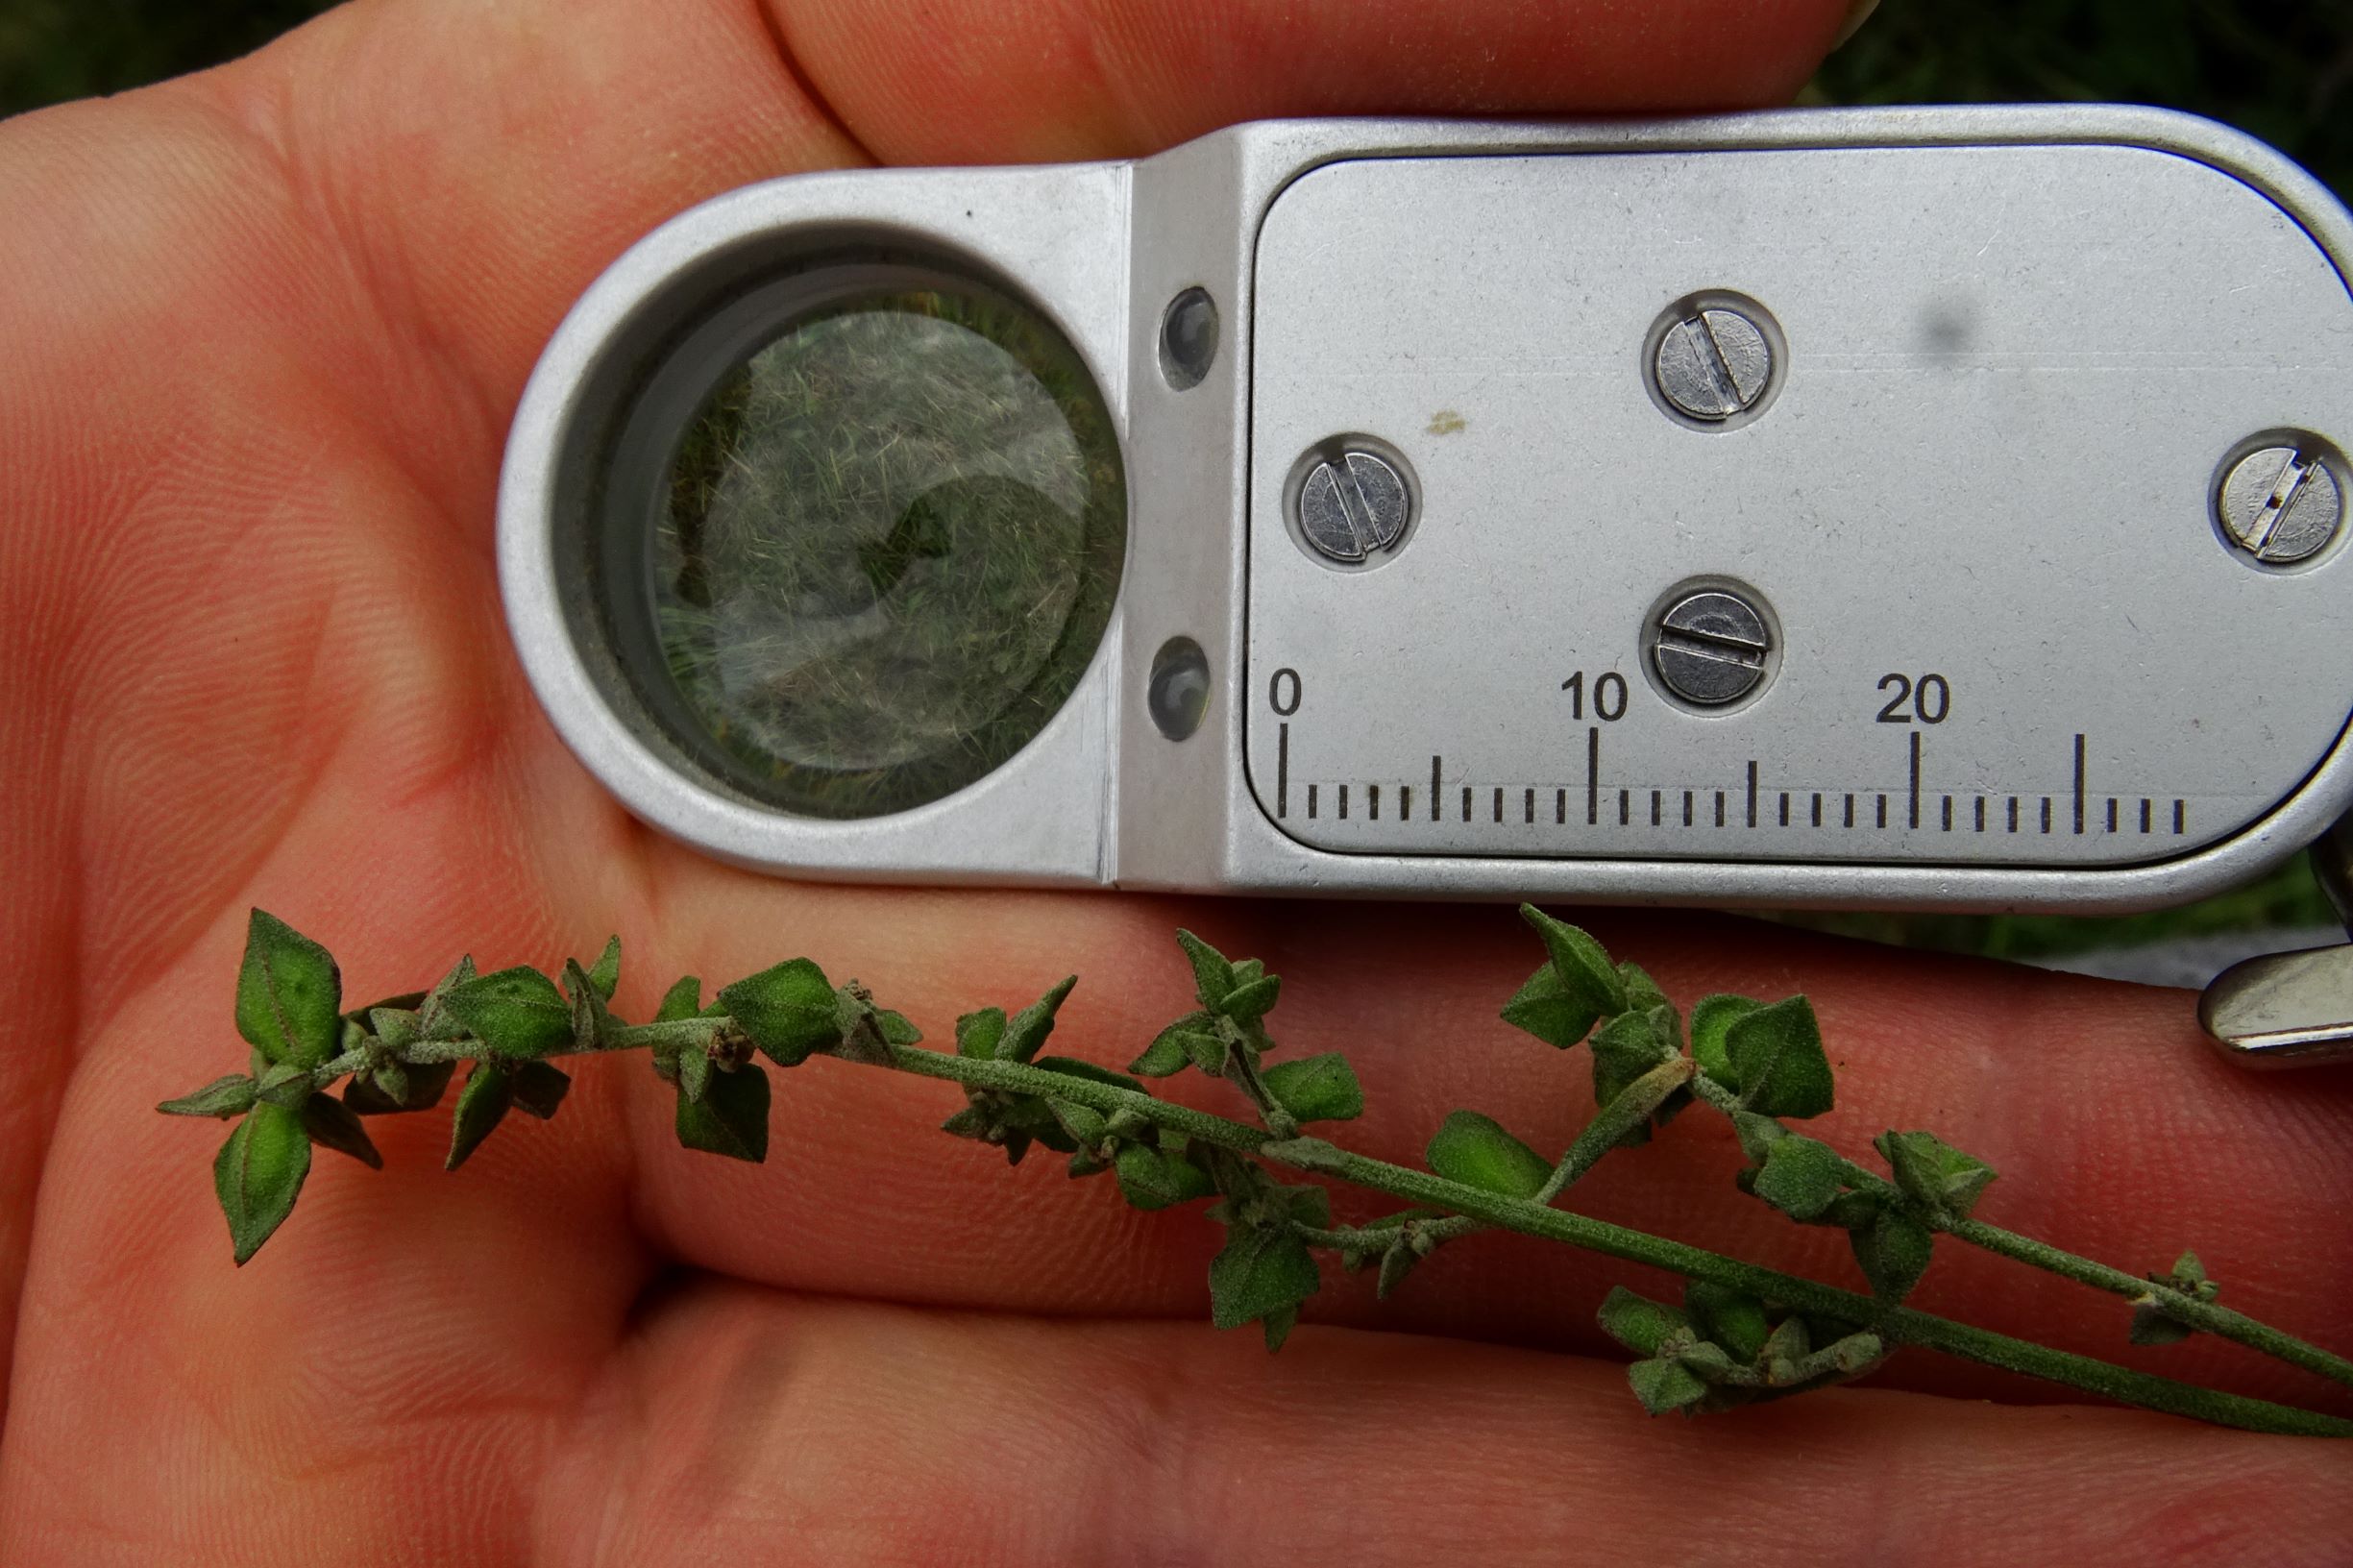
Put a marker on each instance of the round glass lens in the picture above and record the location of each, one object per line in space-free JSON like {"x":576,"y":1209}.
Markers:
{"x":890,"y":547}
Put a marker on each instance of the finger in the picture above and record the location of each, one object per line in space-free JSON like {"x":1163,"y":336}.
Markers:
{"x":741,"y":1421}
{"x":2115,"y":1131}
{"x":479,"y":163}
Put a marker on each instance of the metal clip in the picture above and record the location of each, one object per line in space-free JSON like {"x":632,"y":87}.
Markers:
{"x":2293,"y":1010}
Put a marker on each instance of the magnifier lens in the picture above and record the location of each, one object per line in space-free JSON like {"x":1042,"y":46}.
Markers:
{"x":889,"y":548}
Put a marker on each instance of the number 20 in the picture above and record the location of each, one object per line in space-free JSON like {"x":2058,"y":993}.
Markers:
{"x":1930,"y":698}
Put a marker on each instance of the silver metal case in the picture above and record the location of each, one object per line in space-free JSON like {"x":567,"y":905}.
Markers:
{"x":2017,"y":662}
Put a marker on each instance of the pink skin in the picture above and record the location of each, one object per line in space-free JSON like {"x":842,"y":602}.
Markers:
{"x":265,"y":326}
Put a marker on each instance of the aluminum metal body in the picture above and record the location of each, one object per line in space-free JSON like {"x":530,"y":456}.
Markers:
{"x":2016,"y":658}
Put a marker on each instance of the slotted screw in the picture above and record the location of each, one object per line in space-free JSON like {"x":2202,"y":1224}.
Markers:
{"x":1709,"y":648}
{"x":2280,"y":503}
{"x":1712,"y":364}
{"x":1353,"y":504}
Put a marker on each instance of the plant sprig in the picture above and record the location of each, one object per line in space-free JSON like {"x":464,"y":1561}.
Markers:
{"x":1741,"y":1333}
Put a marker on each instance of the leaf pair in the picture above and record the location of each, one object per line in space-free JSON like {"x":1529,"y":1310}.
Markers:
{"x":1724,"y":1347}
{"x":1265,"y":1269}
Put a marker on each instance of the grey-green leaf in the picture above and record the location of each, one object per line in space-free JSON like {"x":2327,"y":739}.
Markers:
{"x":1638,"y":1322}
{"x":1151,"y":1177}
{"x":1777,"y":1062}
{"x":1584,"y":965}
{"x":605,"y":974}
{"x":258,"y":1173}
{"x":481,"y":1105}
{"x":1212,"y":976}
{"x":1476,"y":1151}
{"x":1801,"y":1177}
{"x":539,"y":1087}
{"x":694,"y":1064}
{"x":1556,"y":1013}
{"x":399,"y":1086}
{"x":1664,"y":1386}
{"x":789,"y":1010}
{"x":1262,"y":1271}
{"x":1732,"y":1318}
{"x":1246,"y":1004}
{"x":1893,"y":1250}
{"x":978,"y":1033}
{"x":230,"y":1096}
{"x":682,"y":1001}
{"x":1317,"y":1087}
{"x":731,"y":1118}
{"x":1712,"y":1020}
{"x":289,"y":994}
{"x":1931,"y":1171}
{"x":1027,"y":1030}
{"x":516,"y":1012}
{"x":2150,"y":1326}
{"x":1629,"y":1046}
{"x":332,"y":1124}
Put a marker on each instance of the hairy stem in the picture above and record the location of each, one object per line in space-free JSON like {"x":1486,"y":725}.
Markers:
{"x":1896,"y":1325}
{"x":2187,"y":1310}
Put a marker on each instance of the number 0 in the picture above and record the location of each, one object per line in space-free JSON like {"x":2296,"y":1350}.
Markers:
{"x":1284,"y":706}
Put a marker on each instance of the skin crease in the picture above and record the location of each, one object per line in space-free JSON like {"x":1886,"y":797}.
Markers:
{"x":265,"y":329}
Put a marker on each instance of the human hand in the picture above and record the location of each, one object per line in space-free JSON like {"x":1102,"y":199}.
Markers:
{"x":265,"y":329}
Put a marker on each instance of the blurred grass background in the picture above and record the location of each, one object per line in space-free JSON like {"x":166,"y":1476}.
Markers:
{"x":2283,"y":71}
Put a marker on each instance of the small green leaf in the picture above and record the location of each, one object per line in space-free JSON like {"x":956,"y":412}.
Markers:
{"x":1893,"y":1250}
{"x":1262,"y":1270}
{"x":789,"y":1010}
{"x":1476,"y":1151}
{"x":1757,"y":1134}
{"x":1397,"y":1261}
{"x":258,"y":1173}
{"x":1711,"y":1020}
{"x":1932,"y":1173}
{"x":1212,"y":976}
{"x":1247,"y":1004}
{"x":284,"y":1084}
{"x":1028,"y":1028}
{"x":1638,"y":1322}
{"x":1665,"y":1385}
{"x":1642,"y":993}
{"x":683,"y":1001}
{"x":897,"y":1029}
{"x":1801,"y":1177}
{"x":1627,"y":1046}
{"x":1209,"y":1052}
{"x":1732,"y":1318}
{"x":1317,"y":1087}
{"x":230,"y":1096}
{"x":694,"y":1065}
{"x":1073,"y":1067}
{"x":1083,"y":1122}
{"x":977,"y":1032}
{"x":1778,"y":1060}
{"x":1554,"y":1011}
{"x":591,"y":1023}
{"x":1278,"y":1327}
{"x":481,"y":1105}
{"x":1584,"y":965}
{"x":517,"y":1014}
{"x":1151,"y":1177}
{"x":289,"y":996}
{"x":605,"y":974}
{"x":1168,"y":1052}
{"x":399,"y":1086}
{"x":332,"y":1124}
{"x":433,"y":1021}
{"x":1785,"y":1348}
{"x":2150,"y":1326}
{"x":731,"y":1118}
{"x":540,"y":1088}
{"x":2189,"y":1275}
{"x":1307,"y":1154}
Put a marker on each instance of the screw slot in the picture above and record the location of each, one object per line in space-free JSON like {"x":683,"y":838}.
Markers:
{"x":1713,"y":360}
{"x":1710,"y":644}
{"x":2281,"y":502}
{"x":1351,"y":502}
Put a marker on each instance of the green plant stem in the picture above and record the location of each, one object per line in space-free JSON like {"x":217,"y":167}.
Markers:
{"x":2187,"y":1310}
{"x":1244,"y":1075}
{"x":1898,"y":1325}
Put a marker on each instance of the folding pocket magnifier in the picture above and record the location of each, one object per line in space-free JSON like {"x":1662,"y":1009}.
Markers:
{"x":1922,"y":507}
